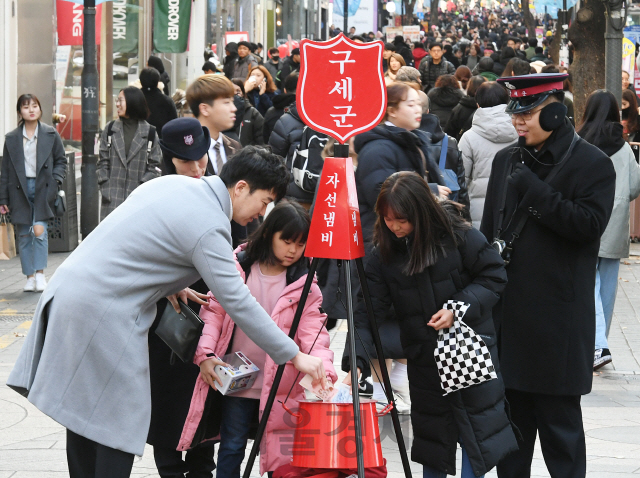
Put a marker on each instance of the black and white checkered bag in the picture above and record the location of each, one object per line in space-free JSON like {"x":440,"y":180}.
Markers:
{"x":462,"y":357}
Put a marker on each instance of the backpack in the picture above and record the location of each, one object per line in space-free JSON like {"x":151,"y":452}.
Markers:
{"x":307,"y":161}
{"x":151,"y":137}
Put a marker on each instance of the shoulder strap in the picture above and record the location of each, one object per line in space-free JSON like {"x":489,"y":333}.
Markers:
{"x":109,"y":133}
{"x":443,"y":152}
{"x":151,"y":139}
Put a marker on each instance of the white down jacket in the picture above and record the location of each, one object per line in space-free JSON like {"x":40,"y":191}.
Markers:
{"x":490,"y":132}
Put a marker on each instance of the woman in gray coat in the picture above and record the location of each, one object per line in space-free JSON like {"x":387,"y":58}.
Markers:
{"x":33,"y":168}
{"x":601,"y":127}
{"x":129,"y":151}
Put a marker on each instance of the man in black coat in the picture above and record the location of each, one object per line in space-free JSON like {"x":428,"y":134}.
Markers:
{"x":289,"y":65}
{"x":550,"y":200}
{"x":280,"y":103}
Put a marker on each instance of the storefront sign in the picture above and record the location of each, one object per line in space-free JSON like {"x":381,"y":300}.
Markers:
{"x":71,"y":22}
{"x":125,"y":26}
{"x":171,"y":20}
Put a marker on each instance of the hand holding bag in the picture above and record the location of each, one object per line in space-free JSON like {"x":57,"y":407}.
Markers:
{"x":462,"y":357}
{"x":180,"y":331}
{"x":7,"y":239}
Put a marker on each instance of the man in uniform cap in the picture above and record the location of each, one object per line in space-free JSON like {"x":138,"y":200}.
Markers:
{"x":548,"y":202}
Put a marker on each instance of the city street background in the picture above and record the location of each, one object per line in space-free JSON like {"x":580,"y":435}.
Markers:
{"x":33,"y":446}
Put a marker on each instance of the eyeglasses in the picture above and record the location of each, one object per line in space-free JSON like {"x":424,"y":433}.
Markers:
{"x":120,"y":101}
{"x":526,"y":116}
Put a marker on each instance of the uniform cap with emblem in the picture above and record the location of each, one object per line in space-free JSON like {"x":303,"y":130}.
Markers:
{"x":185,"y":138}
{"x":529,"y":91}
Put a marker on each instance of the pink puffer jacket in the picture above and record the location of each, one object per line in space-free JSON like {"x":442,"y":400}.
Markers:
{"x":275,"y":449}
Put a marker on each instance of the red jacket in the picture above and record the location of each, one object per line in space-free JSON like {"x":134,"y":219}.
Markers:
{"x":418,"y":54}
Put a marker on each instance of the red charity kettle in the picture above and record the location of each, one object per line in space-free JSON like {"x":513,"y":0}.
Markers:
{"x":325,"y":434}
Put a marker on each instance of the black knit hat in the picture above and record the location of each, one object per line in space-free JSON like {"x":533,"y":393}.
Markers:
{"x":185,"y":138}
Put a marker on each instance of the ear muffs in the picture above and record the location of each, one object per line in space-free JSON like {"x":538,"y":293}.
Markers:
{"x":552,"y":116}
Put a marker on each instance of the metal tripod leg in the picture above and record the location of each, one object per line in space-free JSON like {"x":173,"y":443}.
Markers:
{"x":353,"y":365}
{"x":383,"y":368}
{"x":276,"y":381}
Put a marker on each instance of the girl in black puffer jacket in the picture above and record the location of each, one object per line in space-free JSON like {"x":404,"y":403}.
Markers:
{"x":425,"y":254}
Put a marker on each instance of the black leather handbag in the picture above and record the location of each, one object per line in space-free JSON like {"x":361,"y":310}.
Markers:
{"x":181,"y":332}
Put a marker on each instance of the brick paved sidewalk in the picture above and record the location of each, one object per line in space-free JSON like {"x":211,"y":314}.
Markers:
{"x":32,"y":445}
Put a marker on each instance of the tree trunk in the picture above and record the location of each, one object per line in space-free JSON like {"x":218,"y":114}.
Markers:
{"x":554,"y":49}
{"x":434,"y":13}
{"x":408,"y":12}
{"x":529,"y":21}
{"x":587,"y":36}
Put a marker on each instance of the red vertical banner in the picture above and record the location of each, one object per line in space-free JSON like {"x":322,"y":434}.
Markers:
{"x":336,"y":232}
{"x":71,"y":22}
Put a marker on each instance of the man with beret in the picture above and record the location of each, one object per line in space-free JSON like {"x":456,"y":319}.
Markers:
{"x":548,"y":202}
{"x":85,"y":361}
{"x":245,"y":60}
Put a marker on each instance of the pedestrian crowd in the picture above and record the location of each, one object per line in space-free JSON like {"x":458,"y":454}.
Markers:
{"x":476,"y":188}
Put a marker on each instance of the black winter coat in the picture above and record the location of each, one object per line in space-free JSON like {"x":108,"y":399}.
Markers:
{"x":383,"y":151}
{"x":251,"y":127}
{"x":431,"y":125}
{"x":51,"y":168}
{"x":461,"y":117}
{"x":442,"y":101}
{"x":280,"y":102}
{"x":162,"y":109}
{"x":288,"y":67}
{"x":286,"y":134}
{"x":474,"y":273}
{"x":546,"y":314}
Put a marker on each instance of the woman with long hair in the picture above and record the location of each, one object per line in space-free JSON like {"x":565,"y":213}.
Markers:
{"x":472,"y":59}
{"x":630,"y":121}
{"x":601,"y":127}
{"x":395,"y":62}
{"x":425,"y":254}
{"x":444,"y":97}
{"x":463,"y":75}
{"x":33,"y":168}
{"x":260,"y":89}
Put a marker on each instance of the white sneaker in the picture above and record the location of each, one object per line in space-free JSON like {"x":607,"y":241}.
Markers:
{"x":41,"y":282}
{"x":30,"y":286}
{"x":401,"y":406}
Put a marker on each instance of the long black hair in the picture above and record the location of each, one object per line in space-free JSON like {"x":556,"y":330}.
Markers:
{"x":600,"y":114}
{"x":288,"y":218}
{"x":406,"y":195}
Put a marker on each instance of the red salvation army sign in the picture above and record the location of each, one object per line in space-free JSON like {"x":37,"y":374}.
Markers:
{"x":341,"y":91}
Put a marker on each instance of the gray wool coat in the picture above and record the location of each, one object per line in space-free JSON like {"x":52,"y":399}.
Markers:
{"x":119,"y":173}
{"x":85,"y":361}
{"x":51,"y":166}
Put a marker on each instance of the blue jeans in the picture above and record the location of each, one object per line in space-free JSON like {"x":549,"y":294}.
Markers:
{"x":467,"y":471}
{"x":33,"y":249}
{"x":237,"y":414}
{"x":606,"y":288}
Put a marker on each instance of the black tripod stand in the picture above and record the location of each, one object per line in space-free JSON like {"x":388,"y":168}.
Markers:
{"x":341,"y":151}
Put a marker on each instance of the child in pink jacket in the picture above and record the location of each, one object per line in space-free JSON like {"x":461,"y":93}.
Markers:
{"x":274,"y":269}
